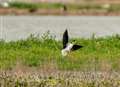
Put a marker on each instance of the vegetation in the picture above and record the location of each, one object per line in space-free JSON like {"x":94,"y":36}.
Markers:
{"x":44,"y":54}
{"x":62,"y":80}
{"x":87,"y":6}
{"x":97,"y":53}
{"x":22,"y":5}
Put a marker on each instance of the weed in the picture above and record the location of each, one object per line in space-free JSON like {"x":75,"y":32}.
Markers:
{"x":37,"y":51}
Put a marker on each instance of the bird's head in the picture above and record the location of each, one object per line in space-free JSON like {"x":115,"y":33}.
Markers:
{"x":73,"y":42}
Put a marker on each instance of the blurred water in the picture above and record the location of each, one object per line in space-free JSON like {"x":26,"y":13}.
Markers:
{"x":20,"y":27}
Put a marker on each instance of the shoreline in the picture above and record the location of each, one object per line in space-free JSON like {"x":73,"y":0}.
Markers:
{"x":56,"y":12}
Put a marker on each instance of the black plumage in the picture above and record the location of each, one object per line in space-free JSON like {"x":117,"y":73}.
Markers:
{"x":67,"y":47}
{"x":76,"y":47}
{"x":65,"y":39}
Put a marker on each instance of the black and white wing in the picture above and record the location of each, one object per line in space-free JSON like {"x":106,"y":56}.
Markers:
{"x":65,"y":38}
{"x":76,"y":47}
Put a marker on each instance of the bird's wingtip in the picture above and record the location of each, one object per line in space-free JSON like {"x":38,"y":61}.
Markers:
{"x":66,"y":30}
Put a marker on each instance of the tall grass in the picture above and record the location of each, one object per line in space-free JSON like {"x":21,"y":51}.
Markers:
{"x":35,"y":51}
{"x":86,"y":66}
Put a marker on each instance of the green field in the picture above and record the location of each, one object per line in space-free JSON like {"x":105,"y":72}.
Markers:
{"x":70,"y":7}
{"x":37,"y":62}
{"x":97,"y":53}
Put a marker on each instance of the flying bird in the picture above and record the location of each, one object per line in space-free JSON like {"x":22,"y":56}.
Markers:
{"x":68,"y":47}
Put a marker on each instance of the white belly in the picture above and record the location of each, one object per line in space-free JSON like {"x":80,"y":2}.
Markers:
{"x":67,"y":49}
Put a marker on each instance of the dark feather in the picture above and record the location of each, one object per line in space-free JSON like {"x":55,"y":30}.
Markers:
{"x":65,"y":38}
{"x":76,"y":47}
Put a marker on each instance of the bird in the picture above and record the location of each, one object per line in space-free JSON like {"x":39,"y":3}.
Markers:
{"x":68,"y":47}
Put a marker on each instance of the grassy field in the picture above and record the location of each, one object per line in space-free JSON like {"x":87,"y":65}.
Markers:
{"x":70,"y":7}
{"x":97,"y":53}
{"x":37,"y":62}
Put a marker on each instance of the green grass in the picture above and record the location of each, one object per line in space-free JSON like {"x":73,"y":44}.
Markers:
{"x":70,"y":7}
{"x":22,"y":5}
{"x":97,"y":53}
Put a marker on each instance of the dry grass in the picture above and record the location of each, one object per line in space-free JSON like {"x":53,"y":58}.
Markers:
{"x":60,"y":79}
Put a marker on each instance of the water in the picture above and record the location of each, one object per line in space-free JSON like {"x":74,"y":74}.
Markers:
{"x":20,"y":27}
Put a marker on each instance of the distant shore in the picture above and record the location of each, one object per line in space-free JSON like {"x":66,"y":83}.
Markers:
{"x":18,"y":8}
{"x":14,"y":11}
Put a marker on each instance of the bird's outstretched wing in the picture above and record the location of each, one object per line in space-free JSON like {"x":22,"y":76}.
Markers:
{"x":76,"y":47}
{"x":65,"y":38}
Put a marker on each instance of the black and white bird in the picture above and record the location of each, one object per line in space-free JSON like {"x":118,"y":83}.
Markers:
{"x":68,"y":47}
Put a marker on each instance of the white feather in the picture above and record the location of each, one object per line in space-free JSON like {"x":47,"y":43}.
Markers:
{"x":67,"y":49}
